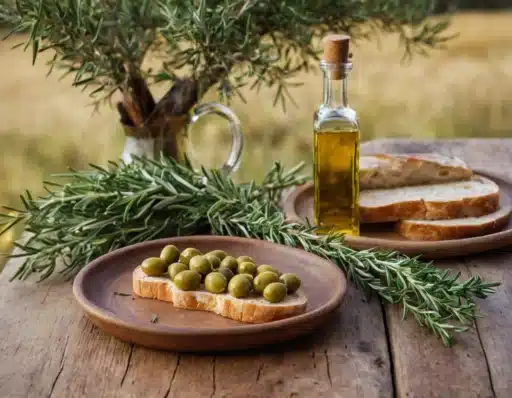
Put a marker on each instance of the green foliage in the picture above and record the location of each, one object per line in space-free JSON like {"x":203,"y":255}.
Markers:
{"x":103,"y":42}
{"x":103,"y":209}
{"x":475,"y":4}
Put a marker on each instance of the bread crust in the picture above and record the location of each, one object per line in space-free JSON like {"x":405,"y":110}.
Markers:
{"x":398,"y":170}
{"x":417,"y":230}
{"x":243,"y":310}
{"x":474,"y":198}
{"x":429,"y":210}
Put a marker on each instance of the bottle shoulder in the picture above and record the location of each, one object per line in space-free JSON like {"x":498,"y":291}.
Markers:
{"x":329,"y":116}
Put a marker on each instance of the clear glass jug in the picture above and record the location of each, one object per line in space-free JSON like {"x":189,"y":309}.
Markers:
{"x":171,"y":136}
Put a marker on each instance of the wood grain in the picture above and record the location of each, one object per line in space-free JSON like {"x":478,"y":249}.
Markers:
{"x":34,"y":335}
{"x":458,"y":371}
{"x":495,"y":327}
{"x":49,"y":349}
{"x":347,"y":359}
{"x":355,"y":349}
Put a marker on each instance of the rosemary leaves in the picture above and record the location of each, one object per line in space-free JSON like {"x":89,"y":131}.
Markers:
{"x":106,"y":208}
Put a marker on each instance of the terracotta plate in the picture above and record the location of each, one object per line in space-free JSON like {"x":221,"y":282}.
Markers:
{"x":129,"y":318}
{"x":298,"y":206}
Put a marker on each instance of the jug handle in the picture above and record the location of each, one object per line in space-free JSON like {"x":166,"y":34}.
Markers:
{"x":233,"y":161}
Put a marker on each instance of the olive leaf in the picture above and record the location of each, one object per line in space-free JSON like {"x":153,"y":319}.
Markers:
{"x":104,"y":44}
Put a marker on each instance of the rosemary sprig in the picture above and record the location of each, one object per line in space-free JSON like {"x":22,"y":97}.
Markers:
{"x":104,"y":209}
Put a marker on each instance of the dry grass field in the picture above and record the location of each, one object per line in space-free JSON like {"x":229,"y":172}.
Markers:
{"x":462,"y":91}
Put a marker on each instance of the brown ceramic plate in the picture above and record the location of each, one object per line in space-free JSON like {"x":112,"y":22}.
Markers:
{"x":129,"y":318}
{"x":298,"y":206}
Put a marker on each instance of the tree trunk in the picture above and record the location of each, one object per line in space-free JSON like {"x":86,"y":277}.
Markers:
{"x":160,"y":124}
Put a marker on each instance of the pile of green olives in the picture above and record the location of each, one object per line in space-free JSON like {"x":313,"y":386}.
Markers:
{"x":219,"y":272}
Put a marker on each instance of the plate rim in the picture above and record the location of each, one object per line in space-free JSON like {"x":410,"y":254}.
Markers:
{"x":245,"y":329}
{"x":414,"y":245}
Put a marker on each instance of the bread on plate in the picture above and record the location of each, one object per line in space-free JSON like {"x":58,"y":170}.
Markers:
{"x":472,"y":198}
{"x":251,"y":309}
{"x":429,"y":196}
{"x":399,"y":170}
{"x":457,"y":228}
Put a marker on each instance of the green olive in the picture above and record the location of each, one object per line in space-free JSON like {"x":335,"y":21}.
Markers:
{"x":220,"y":254}
{"x":170,"y":254}
{"x":291,"y":281}
{"x":226,"y":272}
{"x":200,"y":264}
{"x":247,"y":268}
{"x":215,"y":282}
{"x":275,"y":292}
{"x":263,"y":280}
{"x":214,"y":260}
{"x":229,"y":262}
{"x":248,"y":276}
{"x":187,"y":280}
{"x":175,"y":268}
{"x":239,"y":286}
{"x":187,"y":254}
{"x":265,"y":267}
{"x":154,"y":266}
{"x":243,"y":259}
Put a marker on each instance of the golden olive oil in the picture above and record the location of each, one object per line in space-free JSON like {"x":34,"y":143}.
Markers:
{"x":336,"y":180}
{"x":336,"y":146}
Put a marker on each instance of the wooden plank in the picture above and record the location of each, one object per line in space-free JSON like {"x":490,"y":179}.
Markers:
{"x":357,"y":352}
{"x":140,"y":378}
{"x":48,"y":348}
{"x":29,"y":363}
{"x":93,"y":364}
{"x":194,"y":377}
{"x":348,"y":359}
{"x":424,"y":367}
{"x":495,"y":327}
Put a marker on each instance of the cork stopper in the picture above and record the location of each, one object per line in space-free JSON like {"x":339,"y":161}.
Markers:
{"x":336,"y":51}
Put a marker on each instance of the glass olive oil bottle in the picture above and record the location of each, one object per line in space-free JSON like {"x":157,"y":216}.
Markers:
{"x":336,"y":145}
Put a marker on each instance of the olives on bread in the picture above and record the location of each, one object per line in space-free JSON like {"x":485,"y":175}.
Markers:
{"x":218,"y":272}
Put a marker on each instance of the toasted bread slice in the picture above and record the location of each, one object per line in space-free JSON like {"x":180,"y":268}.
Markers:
{"x":254,"y":309}
{"x":398,"y":170}
{"x":473,"y":198}
{"x":455,"y":228}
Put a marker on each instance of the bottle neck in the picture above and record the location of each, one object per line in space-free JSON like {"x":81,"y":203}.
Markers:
{"x":335,"y":86}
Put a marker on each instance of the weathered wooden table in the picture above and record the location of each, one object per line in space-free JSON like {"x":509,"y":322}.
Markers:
{"x":49,"y":349}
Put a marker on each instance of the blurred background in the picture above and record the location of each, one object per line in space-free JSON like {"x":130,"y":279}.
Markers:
{"x":461,"y":91}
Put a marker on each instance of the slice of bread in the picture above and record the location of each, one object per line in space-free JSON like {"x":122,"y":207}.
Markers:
{"x":253,"y":309}
{"x":455,"y":228}
{"x":398,"y":170}
{"x":473,"y":198}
